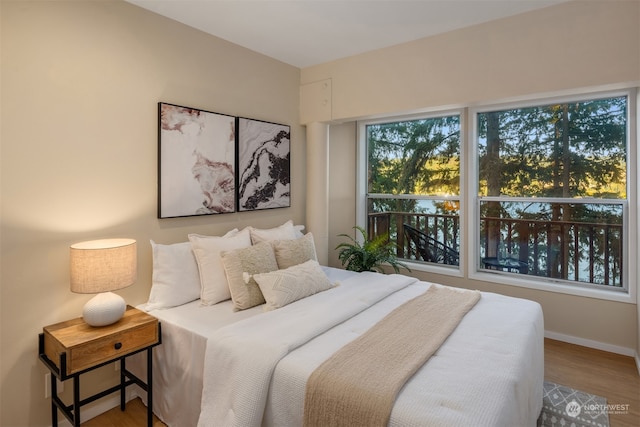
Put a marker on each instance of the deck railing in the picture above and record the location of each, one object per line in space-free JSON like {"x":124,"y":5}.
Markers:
{"x":585,"y":252}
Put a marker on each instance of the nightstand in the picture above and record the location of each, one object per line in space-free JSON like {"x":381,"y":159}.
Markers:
{"x":72,"y":348}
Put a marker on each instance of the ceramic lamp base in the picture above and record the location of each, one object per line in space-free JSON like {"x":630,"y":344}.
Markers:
{"x":104,"y":309}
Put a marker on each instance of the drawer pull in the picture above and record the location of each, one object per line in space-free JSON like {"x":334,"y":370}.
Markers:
{"x":118,"y":345}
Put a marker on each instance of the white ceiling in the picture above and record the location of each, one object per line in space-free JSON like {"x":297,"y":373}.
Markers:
{"x":309,"y":32}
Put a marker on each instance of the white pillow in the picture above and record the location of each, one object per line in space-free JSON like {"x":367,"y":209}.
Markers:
{"x":285,"y":231}
{"x":293,"y":252}
{"x":282,"y":287}
{"x":298,"y":229}
{"x":240,"y":265}
{"x":213,"y":281}
{"x":175,"y":279}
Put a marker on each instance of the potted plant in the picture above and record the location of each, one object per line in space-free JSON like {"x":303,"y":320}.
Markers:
{"x":370,"y":255}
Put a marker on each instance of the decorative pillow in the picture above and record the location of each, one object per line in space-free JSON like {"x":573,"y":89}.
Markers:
{"x":175,"y":279}
{"x":285,"y":231}
{"x":240,"y":265}
{"x":213,"y":280}
{"x":293,"y":252}
{"x":283,"y":287}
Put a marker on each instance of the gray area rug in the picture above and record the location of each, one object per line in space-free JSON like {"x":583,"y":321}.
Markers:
{"x":566,"y":407}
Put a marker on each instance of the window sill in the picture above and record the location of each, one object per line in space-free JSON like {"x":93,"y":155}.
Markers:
{"x":524,"y":281}
{"x":549,"y":285}
{"x":446,"y":270}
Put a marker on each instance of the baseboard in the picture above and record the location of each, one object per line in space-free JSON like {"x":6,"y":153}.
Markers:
{"x":638,"y":362}
{"x":96,"y":408}
{"x":611,"y":348}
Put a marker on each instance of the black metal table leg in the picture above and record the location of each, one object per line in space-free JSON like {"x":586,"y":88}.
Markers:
{"x":54,"y":408}
{"x":76,"y":400}
{"x":123,"y":387}
{"x":149,"y":387}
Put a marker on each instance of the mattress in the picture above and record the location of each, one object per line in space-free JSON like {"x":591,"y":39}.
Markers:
{"x":488,"y":372}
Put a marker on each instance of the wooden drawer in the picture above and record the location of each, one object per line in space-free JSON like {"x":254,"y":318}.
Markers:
{"x":86,"y":346}
{"x":98,"y":351}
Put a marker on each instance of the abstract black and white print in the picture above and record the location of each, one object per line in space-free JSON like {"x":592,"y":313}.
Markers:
{"x":264,"y":167}
{"x":196,"y":173}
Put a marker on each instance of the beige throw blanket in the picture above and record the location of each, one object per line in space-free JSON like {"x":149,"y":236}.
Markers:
{"x":358,"y":385}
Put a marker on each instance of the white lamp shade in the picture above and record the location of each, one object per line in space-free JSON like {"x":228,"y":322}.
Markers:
{"x":103,"y":265}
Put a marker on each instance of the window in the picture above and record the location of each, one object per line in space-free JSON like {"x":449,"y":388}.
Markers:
{"x":553,"y":191}
{"x":547,"y":205}
{"x":413,"y":186}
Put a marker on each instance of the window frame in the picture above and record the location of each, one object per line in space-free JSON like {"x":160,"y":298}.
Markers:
{"x":362,"y":187}
{"x":469,"y":198}
{"x":629,"y":216}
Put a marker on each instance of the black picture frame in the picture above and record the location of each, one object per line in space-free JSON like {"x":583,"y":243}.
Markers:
{"x":196,"y":162}
{"x":263,"y":165}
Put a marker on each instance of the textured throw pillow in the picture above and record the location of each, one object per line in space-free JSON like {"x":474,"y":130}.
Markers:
{"x":213,"y":280}
{"x":240,"y":266}
{"x":285,"y":231}
{"x":175,"y":279}
{"x":283,"y":287}
{"x":293,"y":252}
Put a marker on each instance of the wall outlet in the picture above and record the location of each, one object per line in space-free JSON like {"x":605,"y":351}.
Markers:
{"x":47,"y":385}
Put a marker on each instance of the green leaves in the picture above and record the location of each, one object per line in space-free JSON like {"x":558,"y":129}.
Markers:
{"x":370,"y":255}
{"x":573,"y":149}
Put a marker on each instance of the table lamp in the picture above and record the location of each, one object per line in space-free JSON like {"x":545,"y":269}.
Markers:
{"x":102,"y":266}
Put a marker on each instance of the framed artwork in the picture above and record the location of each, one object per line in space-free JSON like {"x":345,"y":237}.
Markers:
{"x":196,"y":162}
{"x":264,"y":167}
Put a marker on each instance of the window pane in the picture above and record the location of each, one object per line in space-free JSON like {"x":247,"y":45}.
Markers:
{"x":579,"y":242}
{"x":415,"y":157}
{"x":575,"y":149}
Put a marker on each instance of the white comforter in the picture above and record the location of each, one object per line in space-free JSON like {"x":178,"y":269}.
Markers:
{"x":488,"y":373}
{"x":240,"y":358}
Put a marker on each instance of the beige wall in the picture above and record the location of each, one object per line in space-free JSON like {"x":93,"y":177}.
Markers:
{"x":560,"y":48}
{"x":80,"y":83}
{"x":342,"y":182}
{"x":572,"y":45}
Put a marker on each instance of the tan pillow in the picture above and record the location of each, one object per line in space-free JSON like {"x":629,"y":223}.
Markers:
{"x":282,"y":287}
{"x":293,"y":252}
{"x":240,"y":265}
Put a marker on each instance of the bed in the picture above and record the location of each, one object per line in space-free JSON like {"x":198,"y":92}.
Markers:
{"x":219,"y":366}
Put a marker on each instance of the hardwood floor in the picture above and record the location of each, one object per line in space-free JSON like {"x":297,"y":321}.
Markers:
{"x":608,"y":375}
{"x":134,"y":416}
